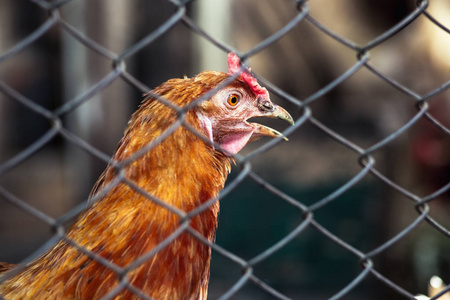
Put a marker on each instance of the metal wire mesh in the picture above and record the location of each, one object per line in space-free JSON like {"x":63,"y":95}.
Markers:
{"x":365,"y":156}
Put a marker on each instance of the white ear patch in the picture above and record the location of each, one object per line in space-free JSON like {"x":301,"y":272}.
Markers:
{"x":206,"y":125}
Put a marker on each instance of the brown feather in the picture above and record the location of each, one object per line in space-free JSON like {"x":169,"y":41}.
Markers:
{"x":5,"y":267}
{"x":123,"y":225}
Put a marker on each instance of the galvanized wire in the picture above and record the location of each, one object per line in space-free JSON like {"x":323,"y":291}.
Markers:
{"x":364,"y":155}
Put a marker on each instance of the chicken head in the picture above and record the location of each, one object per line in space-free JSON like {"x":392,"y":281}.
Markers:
{"x":225,"y":117}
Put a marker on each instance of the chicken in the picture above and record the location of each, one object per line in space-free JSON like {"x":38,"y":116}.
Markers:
{"x":127,"y":221}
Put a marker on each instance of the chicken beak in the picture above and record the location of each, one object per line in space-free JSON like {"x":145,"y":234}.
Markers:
{"x":269,"y":110}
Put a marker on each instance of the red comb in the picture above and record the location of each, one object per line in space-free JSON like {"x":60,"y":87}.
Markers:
{"x":234,"y":65}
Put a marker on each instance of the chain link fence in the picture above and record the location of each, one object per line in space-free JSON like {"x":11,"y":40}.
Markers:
{"x":377,"y":119}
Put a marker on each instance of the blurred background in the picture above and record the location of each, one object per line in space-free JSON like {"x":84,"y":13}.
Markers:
{"x":57,"y":68}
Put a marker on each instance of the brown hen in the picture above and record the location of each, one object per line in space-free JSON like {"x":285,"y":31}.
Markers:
{"x":126,"y":222}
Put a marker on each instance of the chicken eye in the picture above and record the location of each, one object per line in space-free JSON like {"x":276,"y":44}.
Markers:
{"x":233,"y":99}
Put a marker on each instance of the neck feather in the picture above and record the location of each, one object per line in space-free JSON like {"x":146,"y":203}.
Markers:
{"x":181,"y":170}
